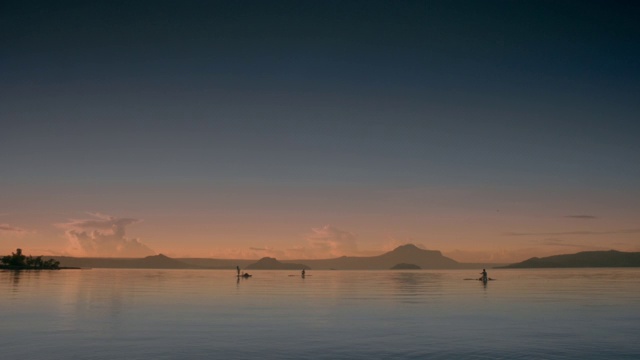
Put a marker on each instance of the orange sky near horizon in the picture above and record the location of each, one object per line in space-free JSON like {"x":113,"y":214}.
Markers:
{"x":468,"y":225}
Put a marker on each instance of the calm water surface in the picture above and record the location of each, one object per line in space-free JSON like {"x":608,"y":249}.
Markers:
{"x":208,"y":314}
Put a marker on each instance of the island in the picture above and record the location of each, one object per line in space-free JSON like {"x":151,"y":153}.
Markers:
{"x":405,"y":266}
{"x":268,"y":263}
{"x":18,"y":261}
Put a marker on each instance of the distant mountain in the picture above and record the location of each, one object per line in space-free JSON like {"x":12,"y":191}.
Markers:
{"x":406,"y":254}
{"x":150,"y":262}
{"x":206,"y":263}
{"x":409,"y":254}
{"x":609,"y":258}
{"x":404,"y":266}
{"x":268,"y":263}
{"x":162,"y":262}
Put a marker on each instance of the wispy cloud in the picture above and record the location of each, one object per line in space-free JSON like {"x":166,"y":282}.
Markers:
{"x":260,"y":249}
{"x":267,"y":251}
{"x":585,"y":233}
{"x":103,"y":236}
{"x":12,"y":229}
{"x":583,"y":217}
{"x":329,"y":241}
{"x":252,"y":253}
{"x":322,"y":243}
{"x":561,"y":243}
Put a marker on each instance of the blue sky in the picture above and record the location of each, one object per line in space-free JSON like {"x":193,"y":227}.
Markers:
{"x":321,"y":106}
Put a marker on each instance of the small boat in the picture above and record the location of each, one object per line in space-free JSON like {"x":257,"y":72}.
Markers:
{"x":245,"y":275}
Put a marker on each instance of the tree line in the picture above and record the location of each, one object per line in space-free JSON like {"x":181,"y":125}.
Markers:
{"x":19,"y":261}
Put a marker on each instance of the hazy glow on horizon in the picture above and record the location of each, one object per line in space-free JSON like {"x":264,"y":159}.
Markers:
{"x":511,"y":233}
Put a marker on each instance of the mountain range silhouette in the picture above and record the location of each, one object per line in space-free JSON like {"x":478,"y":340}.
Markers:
{"x":406,"y":254}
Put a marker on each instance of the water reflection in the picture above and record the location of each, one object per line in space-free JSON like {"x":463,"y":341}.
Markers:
{"x":87,"y":296}
{"x":14,"y":279}
{"x":191,"y":314}
{"x":19,"y":279}
{"x":414,"y":287}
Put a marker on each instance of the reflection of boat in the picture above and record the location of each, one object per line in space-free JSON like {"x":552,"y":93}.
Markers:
{"x":480,"y":279}
{"x":245,"y":275}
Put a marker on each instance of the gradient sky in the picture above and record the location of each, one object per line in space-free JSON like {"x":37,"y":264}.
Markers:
{"x":489,"y":130}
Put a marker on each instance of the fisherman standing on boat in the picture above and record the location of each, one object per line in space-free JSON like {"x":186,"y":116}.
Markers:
{"x":484,"y":277}
{"x":302,"y":272}
{"x":238,"y":269}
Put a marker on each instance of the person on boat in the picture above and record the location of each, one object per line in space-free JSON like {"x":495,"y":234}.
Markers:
{"x":484,"y":277}
{"x":238,"y":269}
{"x":302,"y":272}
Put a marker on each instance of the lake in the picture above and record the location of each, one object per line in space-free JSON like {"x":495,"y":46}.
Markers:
{"x":414,"y":314}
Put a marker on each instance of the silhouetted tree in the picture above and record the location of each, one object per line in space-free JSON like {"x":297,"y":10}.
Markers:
{"x":20,"y":261}
{"x":15,"y":259}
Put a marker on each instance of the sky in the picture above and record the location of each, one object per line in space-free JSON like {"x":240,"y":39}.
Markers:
{"x":488,"y":130}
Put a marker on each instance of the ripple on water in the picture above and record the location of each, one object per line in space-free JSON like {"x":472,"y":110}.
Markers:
{"x":171,"y":314}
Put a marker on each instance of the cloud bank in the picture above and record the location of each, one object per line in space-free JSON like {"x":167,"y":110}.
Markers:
{"x":103,"y":236}
{"x":611,"y":232}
